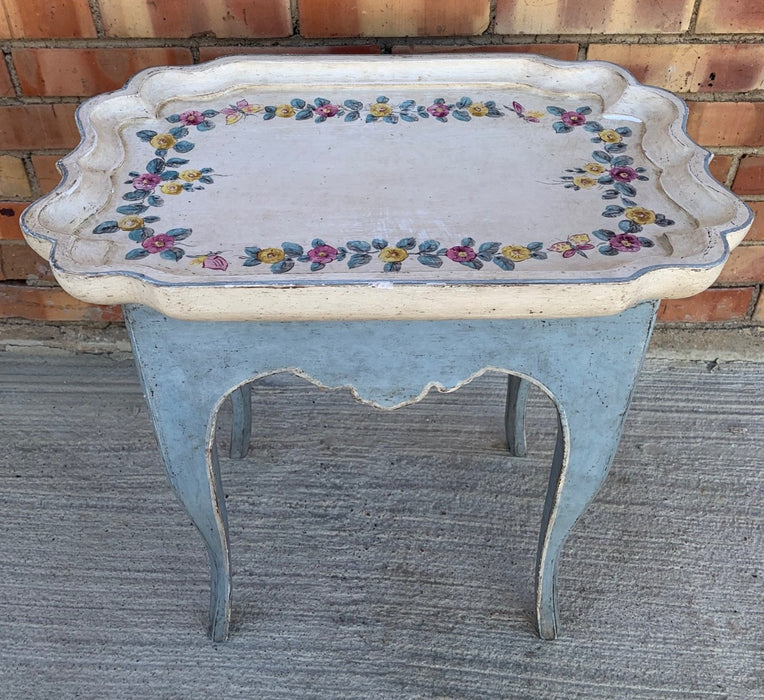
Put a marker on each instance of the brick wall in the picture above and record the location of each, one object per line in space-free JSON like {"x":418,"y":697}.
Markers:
{"x":57,"y":52}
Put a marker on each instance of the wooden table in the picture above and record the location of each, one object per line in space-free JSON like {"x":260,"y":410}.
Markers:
{"x":390,"y":225}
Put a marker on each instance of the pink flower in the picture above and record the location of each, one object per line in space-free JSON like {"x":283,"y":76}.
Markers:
{"x":327,"y":110}
{"x":438,"y":110}
{"x":573,"y":118}
{"x":625,"y":243}
{"x":623,"y":174}
{"x":215,"y":262}
{"x":461,"y":253}
{"x":192,"y":117}
{"x":322,"y":254}
{"x":147,"y":181}
{"x":158,"y":243}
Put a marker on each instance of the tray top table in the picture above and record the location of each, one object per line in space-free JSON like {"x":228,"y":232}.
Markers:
{"x":391,"y":225}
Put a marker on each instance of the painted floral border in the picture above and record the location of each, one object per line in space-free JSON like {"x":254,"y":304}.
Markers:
{"x":609,"y":170}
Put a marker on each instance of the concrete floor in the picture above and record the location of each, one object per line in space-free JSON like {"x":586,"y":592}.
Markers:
{"x":380,"y":554}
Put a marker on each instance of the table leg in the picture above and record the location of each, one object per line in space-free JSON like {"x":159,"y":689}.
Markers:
{"x":514,"y":415}
{"x":241,"y":422}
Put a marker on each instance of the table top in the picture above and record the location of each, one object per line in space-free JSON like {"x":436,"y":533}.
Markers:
{"x":292,"y":188}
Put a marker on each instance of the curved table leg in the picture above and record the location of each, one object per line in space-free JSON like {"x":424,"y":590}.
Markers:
{"x":514,"y":415}
{"x":241,"y":427}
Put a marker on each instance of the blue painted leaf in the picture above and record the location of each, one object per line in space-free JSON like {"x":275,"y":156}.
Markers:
{"x":621,"y":161}
{"x":539,"y":255}
{"x":206,"y":179}
{"x":251,"y":262}
{"x":441,"y":119}
{"x":136,"y":254}
{"x":155,"y":201}
{"x":422,"y":112}
{"x":490,"y":104}
{"x":610,"y":194}
{"x":320,"y":102}
{"x":646,"y":242}
{"x":359,"y":246}
{"x":643,"y":178}
{"x":252,"y":250}
{"x":297,"y":103}
{"x":382,"y":98}
{"x":664,"y":222}
{"x":160,"y":152}
{"x":561,"y":127}
{"x":379,"y":243}
{"x":593,"y":126}
{"x":316,"y":266}
{"x":464,"y":102}
{"x":317,"y":242}
{"x":490,"y":248}
{"x":358,"y":259}
{"x":351,"y":116}
{"x":604,"y":179}
{"x":155,"y":166}
{"x":430,"y":260}
{"x":407,"y":104}
{"x":319,"y":119}
{"x":625,"y":189}
{"x":208,"y":113}
{"x":441,"y":251}
{"x":131,"y":209}
{"x":428,"y":246}
{"x":461,"y":115}
{"x":140,"y":234}
{"x":409,"y":118}
{"x":146,"y":135}
{"x":354,"y":105}
{"x":135,"y":195}
{"x":391,"y":119}
{"x":534,"y":245}
{"x":370,"y":118}
{"x":485,"y":256}
{"x":603,"y":234}
{"x":557,"y":111}
{"x":282,"y":267}
{"x":504,"y":263}
{"x":601,"y":157}
{"x":628,"y":202}
{"x":106,"y":227}
{"x":179,"y":132}
{"x":206,"y":170}
{"x":607,"y":250}
{"x":205,"y":126}
{"x":474,"y":264}
{"x":341,"y":253}
{"x":135,"y":174}
{"x":439,"y":101}
{"x":623,"y":131}
{"x":179,"y":233}
{"x":392,"y":267}
{"x":406,"y":243}
{"x":169,"y":175}
{"x":268,"y":115}
{"x":183,"y":146}
{"x":493,"y":113}
{"x":173,"y":118}
{"x":175,"y":162}
{"x":615,"y":147}
{"x":292,"y":250}
{"x":584,"y":110}
{"x":150,"y":219}
{"x":468,"y":242}
{"x":629,"y":226}
{"x":172,"y":254}
{"x":612,"y":210}
{"x":303,"y":114}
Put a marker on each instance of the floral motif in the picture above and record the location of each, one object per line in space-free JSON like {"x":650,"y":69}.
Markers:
{"x":568,"y":119}
{"x":201,"y":120}
{"x":621,"y":242}
{"x":211,"y":261}
{"x":576,"y":244}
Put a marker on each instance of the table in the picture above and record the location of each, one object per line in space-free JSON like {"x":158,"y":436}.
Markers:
{"x":391,"y":225}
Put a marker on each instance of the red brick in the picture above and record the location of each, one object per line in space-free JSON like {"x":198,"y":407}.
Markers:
{"x":63,"y":72}
{"x":710,"y":306}
{"x":689,"y":67}
{"x":745,"y":266}
{"x":209,"y":53}
{"x":592,"y":16}
{"x":335,"y":18}
{"x":726,"y":123}
{"x":46,"y":19}
{"x":758,"y":312}
{"x":29,"y":127}
{"x":756,"y":232}
{"x":19,"y":262}
{"x":47,"y":172}
{"x":750,"y":176}
{"x":9,"y":220}
{"x":720,"y":167}
{"x":6,"y":86}
{"x":722,"y":16}
{"x":13,"y":178}
{"x":563,"y":52}
{"x":182,"y":19}
{"x":50,"y":304}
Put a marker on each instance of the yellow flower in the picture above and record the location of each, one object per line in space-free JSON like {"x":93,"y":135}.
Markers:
{"x":640,"y":215}
{"x":390,"y":254}
{"x":516,"y":253}
{"x":172,"y":188}
{"x":534,"y":115}
{"x":285,"y":111}
{"x":190,"y":175}
{"x":163,"y":141}
{"x":271,"y":255}
{"x":381,"y":109}
{"x":477,"y":109}
{"x":130,"y":223}
{"x":584,"y":181}
{"x":595,"y":168}
{"x":610,"y":136}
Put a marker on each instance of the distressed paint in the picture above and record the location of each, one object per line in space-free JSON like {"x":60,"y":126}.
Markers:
{"x":391,"y":364}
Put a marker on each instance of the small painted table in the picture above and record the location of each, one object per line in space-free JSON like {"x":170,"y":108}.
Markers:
{"x":387,"y":224}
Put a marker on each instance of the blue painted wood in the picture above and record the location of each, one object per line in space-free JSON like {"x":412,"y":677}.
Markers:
{"x":588,"y":366}
{"x":241,"y":423}
{"x":514,"y":415}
